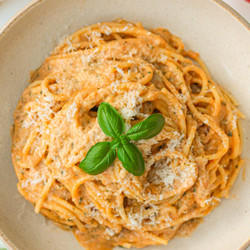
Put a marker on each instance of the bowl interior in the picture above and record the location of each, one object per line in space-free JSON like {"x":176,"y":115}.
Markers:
{"x":205,"y":26}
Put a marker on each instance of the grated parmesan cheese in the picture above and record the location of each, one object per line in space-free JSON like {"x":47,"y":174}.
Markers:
{"x":114,"y":86}
{"x":183,"y":97}
{"x":93,"y":211}
{"x":88,"y":37}
{"x":97,"y":34}
{"x":43,"y":112}
{"x":168,"y":220}
{"x":136,"y":219}
{"x":145,"y":146}
{"x":86,"y":59}
{"x":235,"y":118}
{"x":119,"y":70}
{"x":166,"y":175}
{"x":210,"y":200}
{"x":125,"y":28}
{"x":131,"y":104}
{"x":110,"y":231}
{"x":132,"y":52}
{"x":163,"y":58}
{"x":206,"y":121}
{"x":70,"y":48}
{"x":174,"y":143}
{"x":106,"y":29}
{"x":71,"y":111}
{"x":36,"y":179}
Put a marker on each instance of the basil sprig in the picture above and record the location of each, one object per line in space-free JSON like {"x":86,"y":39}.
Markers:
{"x":103,"y":154}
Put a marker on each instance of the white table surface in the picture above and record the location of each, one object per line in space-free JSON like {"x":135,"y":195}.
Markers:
{"x":8,"y":8}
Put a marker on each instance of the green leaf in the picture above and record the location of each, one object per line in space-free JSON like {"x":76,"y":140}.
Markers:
{"x":125,"y":139}
{"x":115,"y":143}
{"x":148,"y":128}
{"x":98,"y":158}
{"x":110,"y":121}
{"x":131,"y":159}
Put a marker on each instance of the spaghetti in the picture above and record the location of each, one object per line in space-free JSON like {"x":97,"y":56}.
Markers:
{"x":190,"y":165}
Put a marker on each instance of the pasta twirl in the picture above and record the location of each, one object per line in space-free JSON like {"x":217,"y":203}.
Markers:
{"x":190,"y":165}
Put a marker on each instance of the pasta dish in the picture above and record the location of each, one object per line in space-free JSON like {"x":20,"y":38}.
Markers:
{"x":190,"y":165}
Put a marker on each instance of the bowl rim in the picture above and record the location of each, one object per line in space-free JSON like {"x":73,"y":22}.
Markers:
{"x":33,"y":3}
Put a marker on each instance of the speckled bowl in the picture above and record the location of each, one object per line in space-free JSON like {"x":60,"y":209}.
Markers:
{"x":220,"y":35}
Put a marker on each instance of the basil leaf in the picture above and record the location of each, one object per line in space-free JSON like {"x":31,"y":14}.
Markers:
{"x":125,"y":139}
{"x":115,"y":143}
{"x":148,"y":128}
{"x":110,"y":121}
{"x":131,"y":159}
{"x":98,"y":158}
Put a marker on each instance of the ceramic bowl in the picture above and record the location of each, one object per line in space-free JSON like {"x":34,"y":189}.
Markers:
{"x":209,"y":27}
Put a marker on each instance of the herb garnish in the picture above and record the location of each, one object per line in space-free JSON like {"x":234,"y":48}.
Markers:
{"x":102,"y":155}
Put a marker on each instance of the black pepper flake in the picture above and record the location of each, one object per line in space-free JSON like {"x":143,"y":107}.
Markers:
{"x":80,"y":200}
